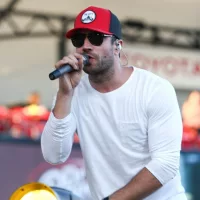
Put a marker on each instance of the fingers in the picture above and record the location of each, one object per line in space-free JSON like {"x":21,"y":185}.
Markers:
{"x":80,"y":60}
{"x":75,"y":60}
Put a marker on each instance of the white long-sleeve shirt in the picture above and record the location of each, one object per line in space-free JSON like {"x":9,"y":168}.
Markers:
{"x":135,"y":126}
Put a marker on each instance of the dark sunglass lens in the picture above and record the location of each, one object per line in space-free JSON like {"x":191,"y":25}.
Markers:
{"x":95,"y":38}
{"x":78,"y":40}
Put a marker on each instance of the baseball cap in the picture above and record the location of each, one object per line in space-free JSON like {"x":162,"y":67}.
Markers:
{"x":97,"y":19}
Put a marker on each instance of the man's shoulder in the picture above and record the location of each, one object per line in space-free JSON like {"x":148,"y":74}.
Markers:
{"x":143,"y":73}
{"x":151,"y":79}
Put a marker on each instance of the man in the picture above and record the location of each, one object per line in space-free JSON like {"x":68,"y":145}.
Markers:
{"x":127,"y":119}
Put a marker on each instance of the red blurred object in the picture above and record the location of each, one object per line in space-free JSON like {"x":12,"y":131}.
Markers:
{"x":16,"y":117}
{"x":190,"y":138}
{"x":198,"y":139}
{"x":191,"y":121}
{"x":5,"y":122}
{"x":25,"y":122}
{"x":76,"y":138}
{"x":28,"y":121}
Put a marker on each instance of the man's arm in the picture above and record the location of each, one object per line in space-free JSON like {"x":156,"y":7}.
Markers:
{"x":164,"y":141}
{"x":142,"y":185}
{"x":57,"y":136}
{"x":62,"y":106}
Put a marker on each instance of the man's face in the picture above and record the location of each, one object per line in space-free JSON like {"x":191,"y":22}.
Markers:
{"x":98,"y":47}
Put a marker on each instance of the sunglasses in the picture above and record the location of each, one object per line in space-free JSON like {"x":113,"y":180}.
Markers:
{"x":94,"y":38}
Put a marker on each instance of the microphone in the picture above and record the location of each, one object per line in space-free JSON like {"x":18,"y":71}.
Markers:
{"x":66,"y":69}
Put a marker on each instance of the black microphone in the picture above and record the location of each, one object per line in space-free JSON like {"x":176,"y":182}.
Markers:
{"x":66,"y":69}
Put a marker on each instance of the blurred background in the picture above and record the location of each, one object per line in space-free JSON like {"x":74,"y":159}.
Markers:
{"x":162,"y":36}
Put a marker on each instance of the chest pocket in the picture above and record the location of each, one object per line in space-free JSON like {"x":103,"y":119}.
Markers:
{"x":132,"y":136}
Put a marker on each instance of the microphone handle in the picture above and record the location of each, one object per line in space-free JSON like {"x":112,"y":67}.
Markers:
{"x":59,"y":72}
{"x":66,"y":69}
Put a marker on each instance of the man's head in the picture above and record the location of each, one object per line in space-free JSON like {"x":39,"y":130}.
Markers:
{"x":97,"y":33}
{"x":34,"y":98}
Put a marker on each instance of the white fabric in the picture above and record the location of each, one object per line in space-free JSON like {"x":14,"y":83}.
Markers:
{"x":135,"y":126}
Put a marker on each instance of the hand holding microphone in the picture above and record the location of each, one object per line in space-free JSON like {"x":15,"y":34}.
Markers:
{"x":69,"y":71}
{"x":65,"y":69}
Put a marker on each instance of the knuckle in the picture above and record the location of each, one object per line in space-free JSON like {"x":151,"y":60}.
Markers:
{"x":57,"y":65}
{"x":65,"y":57}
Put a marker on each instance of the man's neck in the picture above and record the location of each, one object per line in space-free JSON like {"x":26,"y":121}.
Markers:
{"x":111,"y":81}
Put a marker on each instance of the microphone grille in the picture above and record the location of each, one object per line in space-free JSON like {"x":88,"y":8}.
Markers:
{"x":85,"y":59}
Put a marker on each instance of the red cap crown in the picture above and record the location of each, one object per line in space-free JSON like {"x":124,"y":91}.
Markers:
{"x":96,"y":19}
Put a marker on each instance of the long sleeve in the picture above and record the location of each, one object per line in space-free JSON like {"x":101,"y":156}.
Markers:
{"x":57,"y":138}
{"x":164,"y":133}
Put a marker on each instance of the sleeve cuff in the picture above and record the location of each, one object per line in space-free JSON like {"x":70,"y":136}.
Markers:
{"x":59,"y":121}
{"x":155,"y":167}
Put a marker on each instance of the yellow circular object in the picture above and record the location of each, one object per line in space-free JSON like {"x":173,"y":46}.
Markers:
{"x":33,"y":191}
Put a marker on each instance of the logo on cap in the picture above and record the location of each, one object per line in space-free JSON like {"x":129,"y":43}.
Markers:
{"x":88,"y":17}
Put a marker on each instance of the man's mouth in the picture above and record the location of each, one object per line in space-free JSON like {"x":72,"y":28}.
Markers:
{"x":90,"y":57}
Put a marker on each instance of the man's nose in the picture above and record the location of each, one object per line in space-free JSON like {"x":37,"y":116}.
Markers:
{"x":87,"y":45}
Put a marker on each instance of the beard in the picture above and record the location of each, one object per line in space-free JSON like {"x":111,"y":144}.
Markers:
{"x":102,"y":70}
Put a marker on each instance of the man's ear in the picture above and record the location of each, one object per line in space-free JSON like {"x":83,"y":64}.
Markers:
{"x":119,"y":45}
